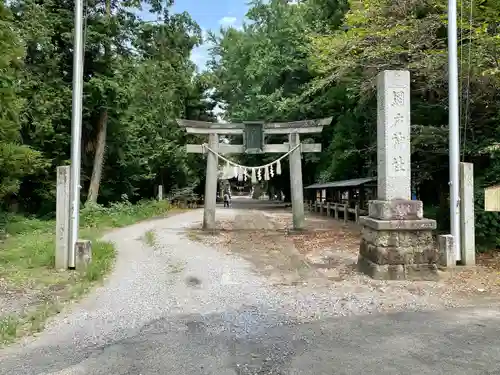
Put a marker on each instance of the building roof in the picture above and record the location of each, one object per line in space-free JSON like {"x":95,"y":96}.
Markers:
{"x":345,"y":183}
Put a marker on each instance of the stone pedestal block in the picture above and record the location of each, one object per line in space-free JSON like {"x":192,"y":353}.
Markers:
{"x":376,"y":224}
{"x":398,"y":249}
{"x":397,"y":209}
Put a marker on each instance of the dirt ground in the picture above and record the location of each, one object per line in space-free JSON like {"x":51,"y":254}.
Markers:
{"x":325,"y":255}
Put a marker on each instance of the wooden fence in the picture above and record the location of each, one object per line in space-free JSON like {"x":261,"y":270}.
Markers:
{"x":339,"y":211}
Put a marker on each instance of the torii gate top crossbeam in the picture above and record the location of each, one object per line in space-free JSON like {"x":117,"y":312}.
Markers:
{"x":305,"y":126}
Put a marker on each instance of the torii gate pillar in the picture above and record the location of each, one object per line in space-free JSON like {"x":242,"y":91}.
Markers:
{"x":211,"y":183}
{"x":296,"y":188}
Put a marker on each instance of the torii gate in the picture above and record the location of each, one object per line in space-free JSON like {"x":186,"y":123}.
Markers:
{"x":254,"y":133}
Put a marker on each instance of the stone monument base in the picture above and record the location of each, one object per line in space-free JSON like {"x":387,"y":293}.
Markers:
{"x":397,"y":243}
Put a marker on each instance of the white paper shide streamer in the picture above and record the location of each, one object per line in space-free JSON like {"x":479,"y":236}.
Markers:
{"x":240,"y":172}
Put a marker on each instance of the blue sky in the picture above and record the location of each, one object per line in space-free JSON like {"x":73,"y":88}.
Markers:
{"x":210,"y":15}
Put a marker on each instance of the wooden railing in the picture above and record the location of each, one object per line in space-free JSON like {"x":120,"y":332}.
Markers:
{"x":335,"y":210}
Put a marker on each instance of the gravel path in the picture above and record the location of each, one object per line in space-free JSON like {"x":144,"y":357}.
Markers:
{"x":323,"y":282}
{"x":181,"y":307}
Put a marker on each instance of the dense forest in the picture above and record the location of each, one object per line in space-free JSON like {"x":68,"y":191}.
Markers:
{"x":138,"y":78}
{"x":290,"y":61}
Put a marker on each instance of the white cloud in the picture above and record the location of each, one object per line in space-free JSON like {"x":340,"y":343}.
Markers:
{"x":200,"y":56}
{"x":227,"y":21}
{"x":204,"y":35}
{"x":218,"y":111}
{"x":210,"y":91}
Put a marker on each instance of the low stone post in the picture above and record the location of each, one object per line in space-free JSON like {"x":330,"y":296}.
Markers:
{"x":336,"y":211}
{"x":467,"y":222}
{"x":356,"y":213}
{"x":346,"y":213}
{"x":83,"y":254}
{"x":446,"y":251}
{"x":160,"y":192}
{"x":321,"y":206}
{"x":62,"y":217}
{"x":328,"y":209}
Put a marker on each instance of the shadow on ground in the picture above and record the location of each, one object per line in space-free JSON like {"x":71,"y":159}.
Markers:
{"x":254,"y":341}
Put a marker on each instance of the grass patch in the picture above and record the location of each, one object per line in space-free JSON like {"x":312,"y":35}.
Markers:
{"x":194,"y":236}
{"x":27,"y":262}
{"x":149,"y":238}
{"x":176,"y":268}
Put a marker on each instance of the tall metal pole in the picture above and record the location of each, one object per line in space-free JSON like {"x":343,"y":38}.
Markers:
{"x":454,"y":126}
{"x":76,"y":129}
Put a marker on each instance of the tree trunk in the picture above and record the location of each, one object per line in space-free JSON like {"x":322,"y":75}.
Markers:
{"x":102,"y":127}
{"x":95,"y":180}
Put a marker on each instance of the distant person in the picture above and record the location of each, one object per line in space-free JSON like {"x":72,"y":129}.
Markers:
{"x":226,"y":199}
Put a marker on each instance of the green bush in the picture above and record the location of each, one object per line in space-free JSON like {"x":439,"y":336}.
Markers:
{"x":121,"y":213}
{"x":487,"y":224}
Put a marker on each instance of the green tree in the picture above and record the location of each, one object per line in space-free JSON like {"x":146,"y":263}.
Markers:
{"x":320,"y":58}
{"x":137,"y":80}
{"x":16,"y":160}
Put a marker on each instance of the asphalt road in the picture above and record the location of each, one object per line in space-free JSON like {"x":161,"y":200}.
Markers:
{"x":250,"y":341}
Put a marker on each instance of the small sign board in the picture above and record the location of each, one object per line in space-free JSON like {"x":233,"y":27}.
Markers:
{"x":253,"y":138}
{"x":492,"y":198}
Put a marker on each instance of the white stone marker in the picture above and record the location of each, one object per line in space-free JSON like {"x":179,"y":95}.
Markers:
{"x":83,"y":254}
{"x":467,"y":220}
{"x":446,"y":251}
{"x":62,"y":217}
{"x":393,"y":135}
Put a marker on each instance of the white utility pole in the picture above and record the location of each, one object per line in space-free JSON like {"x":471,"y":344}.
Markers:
{"x":76,"y":130}
{"x":454,"y":126}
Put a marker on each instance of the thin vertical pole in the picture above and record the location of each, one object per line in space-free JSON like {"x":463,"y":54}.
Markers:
{"x":76,"y":129}
{"x":454,"y":127}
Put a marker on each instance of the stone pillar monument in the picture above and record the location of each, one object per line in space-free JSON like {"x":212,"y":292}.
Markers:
{"x":396,"y":239}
